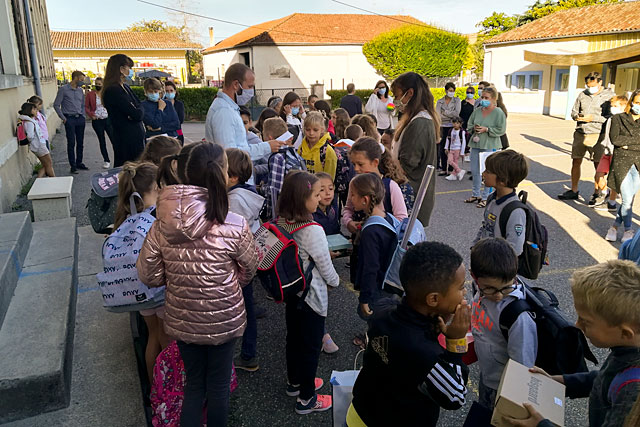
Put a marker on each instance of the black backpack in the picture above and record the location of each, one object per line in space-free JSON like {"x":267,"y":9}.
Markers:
{"x":536,"y":240}
{"x":103,"y":200}
{"x":562,"y":347}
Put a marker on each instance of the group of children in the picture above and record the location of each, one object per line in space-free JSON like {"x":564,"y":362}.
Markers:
{"x":34,"y":123}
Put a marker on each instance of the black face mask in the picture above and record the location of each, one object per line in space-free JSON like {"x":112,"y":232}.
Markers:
{"x":98,"y":87}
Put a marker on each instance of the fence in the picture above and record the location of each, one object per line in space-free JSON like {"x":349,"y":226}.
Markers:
{"x":259,"y":101}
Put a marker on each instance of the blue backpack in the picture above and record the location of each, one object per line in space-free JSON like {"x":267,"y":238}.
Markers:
{"x":417,"y":235}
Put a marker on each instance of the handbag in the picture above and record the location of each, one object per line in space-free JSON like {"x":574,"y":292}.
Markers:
{"x":342,"y":387}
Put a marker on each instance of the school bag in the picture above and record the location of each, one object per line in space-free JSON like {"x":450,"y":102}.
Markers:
{"x":21,"y":134}
{"x":407,"y":195}
{"x":628,"y":376}
{"x":103,"y":200}
{"x":292,"y":161}
{"x":280,"y":268}
{"x":536,"y":240}
{"x":562,"y":347}
{"x":344,"y":169}
{"x":167,"y":390}
{"x":119,"y":283}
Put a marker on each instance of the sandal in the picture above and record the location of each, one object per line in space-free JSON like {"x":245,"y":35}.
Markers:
{"x":360,"y":340}
{"x":473,"y":199}
{"x":481,"y":204}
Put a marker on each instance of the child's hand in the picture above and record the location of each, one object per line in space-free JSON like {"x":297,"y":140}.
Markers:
{"x":365,"y":310}
{"x":557,"y":378}
{"x":460,"y":324}
{"x":533,"y":420}
{"x":161,"y":104}
{"x":334,"y":254}
{"x":354,"y":226}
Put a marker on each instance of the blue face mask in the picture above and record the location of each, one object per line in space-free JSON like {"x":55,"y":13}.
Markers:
{"x":170,"y":95}
{"x":485,"y":103}
{"x":635,"y":109}
{"x":469,"y":96}
{"x":479,"y":92}
{"x":153,"y":97}
{"x":130,"y":73}
{"x":295,"y":110}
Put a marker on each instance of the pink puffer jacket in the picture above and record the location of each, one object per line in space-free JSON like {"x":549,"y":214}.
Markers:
{"x":203,"y":265}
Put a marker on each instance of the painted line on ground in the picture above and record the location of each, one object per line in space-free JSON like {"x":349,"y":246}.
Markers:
{"x":82,"y":291}
{"x":40,"y":273}
{"x":525,"y":184}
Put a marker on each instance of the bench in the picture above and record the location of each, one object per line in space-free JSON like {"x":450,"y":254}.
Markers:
{"x":51,"y":198}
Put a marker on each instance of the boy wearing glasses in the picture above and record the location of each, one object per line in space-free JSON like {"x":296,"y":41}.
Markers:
{"x":493,"y":268}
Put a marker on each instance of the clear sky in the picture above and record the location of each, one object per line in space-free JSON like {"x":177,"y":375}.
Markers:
{"x":460,"y":16}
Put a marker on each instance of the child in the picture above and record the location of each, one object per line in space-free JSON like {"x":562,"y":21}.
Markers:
{"x":204,"y":254}
{"x":341,"y":120}
{"x":367,"y":124}
{"x":387,"y":139}
{"x":305,"y":318}
{"x":280,"y":163}
{"x":601,"y":193}
{"x":41,"y":118}
{"x":606,"y":297}
{"x":159,"y":116}
{"x":158,"y":147}
{"x":406,"y":375}
{"x":327,"y":213}
{"x":140,"y":178}
{"x":454,"y":146}
{"x":37,"y":142}
{"x":315,"y":149}
{"x":351,"y":135}
{"x":504,"y":171}
{"x":494,"y":265}
{"x":252,"y":137}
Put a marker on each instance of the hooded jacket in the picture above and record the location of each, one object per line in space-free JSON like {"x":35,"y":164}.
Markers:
{"x":246,"y":202}
{"x":596,"y":105}
{"x":31,"y":127}
{"x":312,"y":157}
{"x":203,"y":265}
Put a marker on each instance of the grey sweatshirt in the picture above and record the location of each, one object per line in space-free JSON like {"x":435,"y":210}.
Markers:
{"x":247,"y":204}
{"x":596,"y":105}
{"x":492,"y":349}
{"x":516,"y":225}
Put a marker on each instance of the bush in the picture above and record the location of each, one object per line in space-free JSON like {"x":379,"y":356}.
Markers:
{"x":197,"y":100}
{"x":430,"y":52}
{"x":438,"y":92}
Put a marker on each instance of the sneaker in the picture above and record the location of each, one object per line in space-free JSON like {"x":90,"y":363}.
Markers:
{"x":569,"y":195}
{"x":451,"y":178}
{"x":598,"y":198}
{"x":250,"y":365}
{"x":106,"y":165}
{"x":628,"y":235}
{"x":73,"y":171}
{"x":294,"y":390}
{"x":612,"y":207}
{"x":470,"y":177}
{"x":467,"y":159}
{"x":461,"y":174}
{"x":612,"y":234}
{"x":82,"y":166}
{"x":328,"y":346}
{"x":318,"y":403}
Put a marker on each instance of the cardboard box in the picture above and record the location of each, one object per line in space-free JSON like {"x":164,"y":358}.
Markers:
{"x":517,"y":386}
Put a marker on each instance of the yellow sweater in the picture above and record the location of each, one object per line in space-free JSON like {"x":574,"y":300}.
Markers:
{"x":311,"y":157}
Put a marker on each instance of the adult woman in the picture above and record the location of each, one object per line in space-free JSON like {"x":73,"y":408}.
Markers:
{"x":275,"y":102}
{"x":267,"y":113}
{"x":448,"y":107}
{"x":124,"y":110}
{"x":293,"y":113}
{"x":98,"y":114}
{"x":487,"y":124}
{"x":170,"y":94}
{"x":416,"y":137}
{"x":624,"y":175}
{"x":340,"y":119}
{"x":467,"y":106}
{"x":377,"y":105}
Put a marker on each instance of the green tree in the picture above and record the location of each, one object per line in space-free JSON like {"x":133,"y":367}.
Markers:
{"x":496,"y":23}
{"x":428,"y":51}
{"x":540,"y":9}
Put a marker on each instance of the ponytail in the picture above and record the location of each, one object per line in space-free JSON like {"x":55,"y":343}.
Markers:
{"x":170,"y":175}
{"x":205,"y":167}
{"x":135,"y":180}
{"x":218,"y":203}
{"x":368,"y":185}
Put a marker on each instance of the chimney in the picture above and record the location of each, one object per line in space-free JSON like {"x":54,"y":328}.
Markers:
{"x":211,"y":39}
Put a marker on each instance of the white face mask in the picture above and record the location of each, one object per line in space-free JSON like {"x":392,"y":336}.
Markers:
{"x":616,"y":110}
{"x":245,"y":96}
{"x":594,"y":89}
{"x":451,"y":94}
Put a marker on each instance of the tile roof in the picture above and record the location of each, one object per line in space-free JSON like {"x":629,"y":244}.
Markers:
{"x":596,"y":19}
{"x":310,"y":28}
{"x":116,"y":40}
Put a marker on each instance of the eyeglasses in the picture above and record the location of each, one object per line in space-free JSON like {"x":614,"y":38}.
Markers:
{"x":490,"y":290}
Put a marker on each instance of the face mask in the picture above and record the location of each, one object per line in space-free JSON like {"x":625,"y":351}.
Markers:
{"x":485,"y":103}
{"x":295,"y":110}
{"x":382,"y":91}
{"x":400,"y":106}
{"x":616,"y":110}
{"x":245,"y":96}
{"x":170,"y":95}
{"x":593,"y":89}
{"x":479,"y":92}
{"x":635,"y":109}
{"x":469,"y":96}
{"x":450,"y":94}
{"x":130,"y":73}
{"x":98,"y":88}
{"x":153,"y":97}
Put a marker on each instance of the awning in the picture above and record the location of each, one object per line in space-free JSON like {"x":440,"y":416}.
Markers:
{"x":621,"y":55}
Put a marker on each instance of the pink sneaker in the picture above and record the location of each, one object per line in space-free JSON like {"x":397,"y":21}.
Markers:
{"x":318,"y":403}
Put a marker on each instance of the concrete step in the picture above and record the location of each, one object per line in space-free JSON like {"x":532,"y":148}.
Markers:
{"x":36,"y":338}
{"x":15,"y":236}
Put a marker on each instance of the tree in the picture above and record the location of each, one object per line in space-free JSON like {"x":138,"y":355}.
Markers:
{"x":153,"y":26}
{"x":496,"y":23}
{"x":540,"y":9}
{"x":428,"y":51}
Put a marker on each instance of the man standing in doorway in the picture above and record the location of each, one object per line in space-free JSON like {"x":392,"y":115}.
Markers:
{"x":69,"y":104}
{"x":589,"y":111}
{"x":351,"y":102}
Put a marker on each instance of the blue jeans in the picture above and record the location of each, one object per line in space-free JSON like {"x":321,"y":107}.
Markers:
{"x":476,"y":175}
{"x":250,"y":337}
{"x":74,"y":128}
{"x":628,"y":189}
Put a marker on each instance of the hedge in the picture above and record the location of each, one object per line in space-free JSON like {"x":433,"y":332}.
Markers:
{"x":428,"y":51}
{"x":197,"y":100}
{"x":438,"y":92}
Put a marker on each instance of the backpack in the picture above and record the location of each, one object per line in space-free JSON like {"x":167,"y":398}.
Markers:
{"x":103,"y":200}
{"x":417,"y":235}
{"x":629,"y":375}
{"x":536,"y":240}
{"x":280,"y":268}
{"x":167,"y":390}
{"x":121,"y":288}
{"x":292,"y":161}
{"x":407,"y":195}
{"x":21,"y":134}
{"x":562,"y":347}
{"x":344,"y":169}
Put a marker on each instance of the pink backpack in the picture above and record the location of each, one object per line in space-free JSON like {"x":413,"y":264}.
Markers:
{"x":167,"y":391}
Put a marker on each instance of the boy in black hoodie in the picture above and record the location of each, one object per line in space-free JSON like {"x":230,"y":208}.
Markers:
{"x":407,"y":376}
{"x":606,"y":297}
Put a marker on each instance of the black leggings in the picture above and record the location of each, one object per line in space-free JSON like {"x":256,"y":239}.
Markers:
{"x":102,"y":126}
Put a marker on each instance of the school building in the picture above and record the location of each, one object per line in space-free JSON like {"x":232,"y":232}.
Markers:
{"x":89,"y":51}
{"x":540,"y":67}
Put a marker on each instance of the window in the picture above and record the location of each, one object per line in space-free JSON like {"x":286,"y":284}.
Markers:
{"x":520,"y":80}
{"x":524,"y":81}
{"x":244,"y":58}
{"x":535,"y":82}
{"x":562,"y":80}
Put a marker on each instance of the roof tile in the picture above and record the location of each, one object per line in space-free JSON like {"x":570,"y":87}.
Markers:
{"x":115,"y":40}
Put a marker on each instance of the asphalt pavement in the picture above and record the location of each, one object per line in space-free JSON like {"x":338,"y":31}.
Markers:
{"x":576,"y":241}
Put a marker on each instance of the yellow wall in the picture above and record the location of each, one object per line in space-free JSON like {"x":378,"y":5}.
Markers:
{"x":610,"y":41}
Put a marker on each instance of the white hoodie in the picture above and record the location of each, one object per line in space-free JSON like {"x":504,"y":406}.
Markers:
{"x":34,"y":135}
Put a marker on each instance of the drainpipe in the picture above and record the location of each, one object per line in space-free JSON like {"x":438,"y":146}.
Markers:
{"x":32,"y":49}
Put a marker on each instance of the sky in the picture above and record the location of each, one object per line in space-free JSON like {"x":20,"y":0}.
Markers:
{"x":106,"y":15}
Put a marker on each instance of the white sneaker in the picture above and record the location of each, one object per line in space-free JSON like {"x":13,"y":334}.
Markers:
{"x":628,"y":235}
{"x":106,"y":165}
{"x":467,"y":158}
{"x":461,"y":174}
{"x":612,"y":234}
{"x":451,"y":177}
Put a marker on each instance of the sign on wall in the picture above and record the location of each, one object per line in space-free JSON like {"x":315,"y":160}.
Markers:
{"x":279,"y":72}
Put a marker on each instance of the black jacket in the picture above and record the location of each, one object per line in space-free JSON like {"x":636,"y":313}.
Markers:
{"x":376,"y":248}
{"x":624,"y":132}
{"x":125,"y":114}
{"x":351,"y":103}
{"x":407,"y":376}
